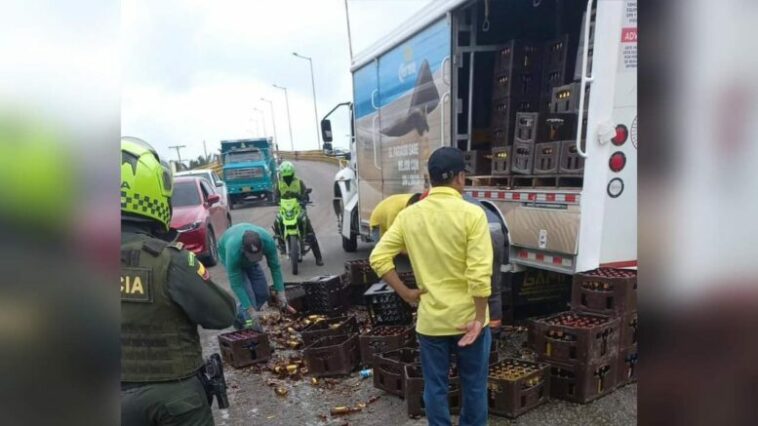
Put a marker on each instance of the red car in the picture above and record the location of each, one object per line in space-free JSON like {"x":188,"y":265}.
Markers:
{"x":199,"y":217}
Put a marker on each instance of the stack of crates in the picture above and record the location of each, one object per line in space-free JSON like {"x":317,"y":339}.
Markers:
{"x":582,"y":350}
{"x":516,"y":88}
{"x":386,"y":307}
{"x":612,"y":292}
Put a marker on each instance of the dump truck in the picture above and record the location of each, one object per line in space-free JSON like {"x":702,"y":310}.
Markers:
{"x":249,"y":169}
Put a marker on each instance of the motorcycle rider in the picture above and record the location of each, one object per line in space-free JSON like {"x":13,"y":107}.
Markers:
{"x":289,"y":186}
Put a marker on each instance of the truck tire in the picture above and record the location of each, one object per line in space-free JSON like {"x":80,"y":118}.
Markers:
{"x":211,"y":258}
{"x":350,"y":245}
{"x":294,"y":246}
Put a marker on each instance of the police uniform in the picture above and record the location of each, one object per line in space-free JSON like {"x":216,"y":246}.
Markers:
{"x":165,"y":293}
{"x":296,"y":189}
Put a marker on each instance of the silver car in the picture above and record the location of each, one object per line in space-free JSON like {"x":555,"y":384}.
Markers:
{"x":216,"y":183}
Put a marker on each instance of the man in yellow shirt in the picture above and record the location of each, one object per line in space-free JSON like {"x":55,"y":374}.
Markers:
{"x":386,"y":211}
{"x":449,"y":244}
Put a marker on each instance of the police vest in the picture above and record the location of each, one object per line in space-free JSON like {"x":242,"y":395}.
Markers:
{"x":292,"y":190}
{"x":158,"y":340}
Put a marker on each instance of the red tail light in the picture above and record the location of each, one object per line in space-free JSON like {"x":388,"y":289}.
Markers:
{"x":617,"y":161}
{"x":622,"y":134}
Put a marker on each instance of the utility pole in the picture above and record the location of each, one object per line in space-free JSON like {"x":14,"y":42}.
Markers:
{"x":205,"y":151}
{"x":289,"y":120}
{"x":349,"y":38}
{"x":313,"y":86}
{"x":178,"y":152}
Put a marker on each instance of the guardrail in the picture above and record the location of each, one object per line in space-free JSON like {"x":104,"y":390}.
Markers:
{"x":216,"y":166}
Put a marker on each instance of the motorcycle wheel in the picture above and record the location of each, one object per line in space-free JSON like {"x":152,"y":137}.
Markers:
{"x":294,"y":244}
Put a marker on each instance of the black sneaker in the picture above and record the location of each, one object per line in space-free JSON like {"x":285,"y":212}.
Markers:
{"x":319,"y":262}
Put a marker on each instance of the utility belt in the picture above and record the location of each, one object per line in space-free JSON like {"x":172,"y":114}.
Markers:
{"x":211,"y":375}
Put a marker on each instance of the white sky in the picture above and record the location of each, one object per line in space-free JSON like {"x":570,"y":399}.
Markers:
{"x":193,"y":70}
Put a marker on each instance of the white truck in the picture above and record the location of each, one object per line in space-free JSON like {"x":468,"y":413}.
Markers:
{"x":434,"y":82}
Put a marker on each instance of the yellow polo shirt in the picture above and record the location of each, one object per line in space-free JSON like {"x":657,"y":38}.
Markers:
{"x":386,"y":211}
{"x":449,"y":245}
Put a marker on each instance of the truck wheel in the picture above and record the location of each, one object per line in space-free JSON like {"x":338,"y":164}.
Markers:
{"x":350,"y":245}
{"x":294,"y":252}
{"x":211,"y":258}
{"x":232,"y":200}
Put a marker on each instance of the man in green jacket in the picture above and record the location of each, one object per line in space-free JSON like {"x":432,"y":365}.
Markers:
{"x":240,"y":250}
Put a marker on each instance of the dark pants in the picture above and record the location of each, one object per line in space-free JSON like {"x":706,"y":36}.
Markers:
{"x":257,"y":291}
{"x":473,"y":366}
{"x":495,"y":300}
{"x":181,"y":402}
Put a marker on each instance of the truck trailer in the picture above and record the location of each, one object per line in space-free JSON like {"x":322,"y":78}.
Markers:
{"x":541,"y":96}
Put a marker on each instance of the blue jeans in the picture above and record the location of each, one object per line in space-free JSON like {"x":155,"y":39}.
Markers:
{"x":256,"y":288}
{"x":473,"y":366}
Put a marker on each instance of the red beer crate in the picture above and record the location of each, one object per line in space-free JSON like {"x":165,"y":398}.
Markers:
{"x":332,"y":355}
{"x":413,"y":378}
{"x":388,"y":369}
{"x":244,"y":347}
{"x":605,"y":290}
{"x":575,"y":337}
{"x":329,"y":327}
{"x":583,"y":383}
{"x":383,"y":339}
{"x":628,"y":330}
{"x":627,"y":366}
{"x":516,"y":386}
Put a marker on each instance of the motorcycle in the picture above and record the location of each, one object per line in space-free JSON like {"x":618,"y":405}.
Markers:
{"x":291,"y":221}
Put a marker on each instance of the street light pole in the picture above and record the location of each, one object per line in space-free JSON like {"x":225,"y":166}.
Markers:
{"x":289,"y":119}
{"x":263,"y":119}
{"x":313,"y":86}
{"x":273,"y":121}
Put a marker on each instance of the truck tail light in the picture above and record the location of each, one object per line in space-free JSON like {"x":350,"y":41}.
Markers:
{"x":622,"y":134}
{"x":617,"y":161}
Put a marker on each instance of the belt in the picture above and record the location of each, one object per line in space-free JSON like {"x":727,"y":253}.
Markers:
{"x":133,"y":385}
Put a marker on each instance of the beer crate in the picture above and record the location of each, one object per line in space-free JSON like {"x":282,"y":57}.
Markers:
{"x":522,"y":158}
{"x":359,"y":273}
{"x":244,"y":347}
{"x":477,"y":163}
{"x":295,"y":294}
{"x":503,"y":117}
{"x":519,"y":55}
{"x":501,"y":161}
{"x":516,"y":386}
{"x":571,"y":162}
{"x":408,"y":278}
{"x":556,"y":53}
{"x":325,"y":294}
{"x":332,"y":355}
{"x":627,"y":366}
{"x":388,"y":369}
{"x":583,"y":383}
{"x":383,"y":339}
{"x":605,"y":290}
{"x":574,"y":337}
{"x":516,"y":82}
{"x":628,"y":332}
{"x":565,"y":98}
{"x":413,"y":378}
{"x":386,"y":307}
{"x":546,"y":155}
{"x":329,"y":327}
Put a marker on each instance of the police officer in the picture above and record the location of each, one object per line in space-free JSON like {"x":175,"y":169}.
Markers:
{"x":289,"y":186}
{"x":165,"y":293}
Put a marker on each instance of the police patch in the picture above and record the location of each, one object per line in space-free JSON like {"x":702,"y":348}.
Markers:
{"x":191,"y":258}
{"x":136,"y":285}
{"x":202,"y":271}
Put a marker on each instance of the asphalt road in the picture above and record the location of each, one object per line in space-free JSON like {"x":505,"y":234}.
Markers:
{"x":254,"y":402}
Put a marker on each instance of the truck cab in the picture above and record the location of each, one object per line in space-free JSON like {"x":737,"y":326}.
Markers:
{"x":249,"y":169}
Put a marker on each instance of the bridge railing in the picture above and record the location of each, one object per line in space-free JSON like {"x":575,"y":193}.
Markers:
{"x":292,"y":155}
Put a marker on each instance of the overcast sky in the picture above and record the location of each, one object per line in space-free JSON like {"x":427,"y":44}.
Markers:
{"x":193,"y":70}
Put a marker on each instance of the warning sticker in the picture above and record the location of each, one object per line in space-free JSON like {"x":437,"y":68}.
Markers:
{"x":628,"y":48}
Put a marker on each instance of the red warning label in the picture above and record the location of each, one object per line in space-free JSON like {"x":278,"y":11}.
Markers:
{"x":629,"y":35}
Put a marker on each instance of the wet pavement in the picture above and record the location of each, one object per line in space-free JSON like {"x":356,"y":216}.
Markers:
{"x":252,"y":393}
